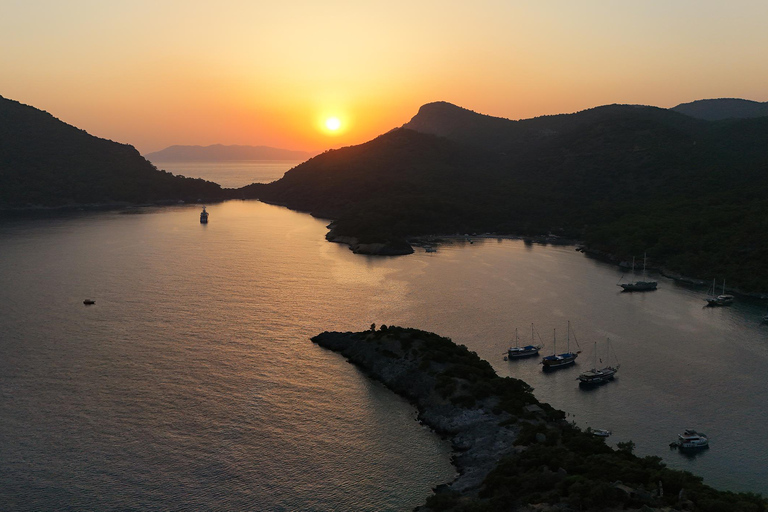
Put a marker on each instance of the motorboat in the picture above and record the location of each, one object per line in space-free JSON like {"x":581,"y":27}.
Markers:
{"x":690,"y":439}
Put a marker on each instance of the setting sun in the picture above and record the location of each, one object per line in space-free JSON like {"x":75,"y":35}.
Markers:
{"x":333,"y":123}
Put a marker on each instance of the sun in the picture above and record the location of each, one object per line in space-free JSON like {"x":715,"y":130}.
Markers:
{"x":333,"y":123}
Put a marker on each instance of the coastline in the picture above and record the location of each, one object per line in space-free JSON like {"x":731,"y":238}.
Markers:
{"x":511,"y":451}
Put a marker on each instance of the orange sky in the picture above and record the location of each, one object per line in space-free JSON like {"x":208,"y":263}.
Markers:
{"x":165,"y":72}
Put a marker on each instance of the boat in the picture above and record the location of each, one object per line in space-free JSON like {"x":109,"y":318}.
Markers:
{"x":567,"y":358}
{"x":719,"y":300}
{"x":638,"y":286}
{"x":599,"y":375}
{"x":88,"y":302}
{"x":518,"y":352}
{"x":203,"y":216}
{"x":690,"y":439}
{"x":429,"y":248}
{"x":601,"y":432}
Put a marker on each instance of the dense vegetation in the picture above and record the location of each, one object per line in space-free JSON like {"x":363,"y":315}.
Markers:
{"x":557,"y":463}
{"x":693,"y":194}
{"x":45,"y":162}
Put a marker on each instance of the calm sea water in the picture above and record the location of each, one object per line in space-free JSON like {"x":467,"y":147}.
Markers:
{"x":192,"y":383}
{"x":231,"y":174}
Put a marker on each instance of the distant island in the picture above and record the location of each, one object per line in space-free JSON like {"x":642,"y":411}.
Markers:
{"x":513,"y":452}
{"x":625,"y":179}
{"x":222,"y":153}
{"x":45,"y":163}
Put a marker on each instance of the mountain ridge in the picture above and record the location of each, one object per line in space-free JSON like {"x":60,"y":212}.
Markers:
{"x":626,"y":179}
{"x":723,"y":108}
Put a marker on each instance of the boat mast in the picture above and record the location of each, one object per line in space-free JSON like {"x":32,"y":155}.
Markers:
{"x":568,"y":337}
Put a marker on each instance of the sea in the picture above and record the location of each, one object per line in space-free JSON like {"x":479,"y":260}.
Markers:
{"x":232,"y":174}
{"x":192,"y":383}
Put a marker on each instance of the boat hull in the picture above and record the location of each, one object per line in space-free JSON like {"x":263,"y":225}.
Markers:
{"x":559,"y":361}
{"x":523,"y":352}
{"x":640,"y":286}
{"x":597,"y":377}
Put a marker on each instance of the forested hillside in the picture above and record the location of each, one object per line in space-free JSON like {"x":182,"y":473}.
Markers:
{"x":46,"y":162}
{"x":627,"y":179}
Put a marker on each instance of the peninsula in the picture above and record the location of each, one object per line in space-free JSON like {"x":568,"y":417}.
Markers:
{"x":513,"y":452}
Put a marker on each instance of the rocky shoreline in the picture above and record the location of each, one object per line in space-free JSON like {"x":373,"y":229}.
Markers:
{"x":478,"y":441}
{"x":512,"y":452}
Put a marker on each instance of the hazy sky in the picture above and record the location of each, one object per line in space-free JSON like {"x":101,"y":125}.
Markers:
{"x":162,"y":72}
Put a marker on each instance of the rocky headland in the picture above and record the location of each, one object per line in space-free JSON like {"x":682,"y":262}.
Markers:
{"x":511,"y":451}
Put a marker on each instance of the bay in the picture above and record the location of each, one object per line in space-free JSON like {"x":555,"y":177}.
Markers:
{"x":191,"y":383}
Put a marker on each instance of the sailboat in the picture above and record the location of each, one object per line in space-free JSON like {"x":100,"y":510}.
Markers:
{"x":599,"y":375}
{"x":639,"y":286}
{"x":719,"y":300}
{"x":529,"y":350}
{"x":566,"y":358}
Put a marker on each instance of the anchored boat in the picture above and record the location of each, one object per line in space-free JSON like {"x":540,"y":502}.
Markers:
{"x":602,"y":375}
{"x":567,"y":358}
{"x":719,"y":300}
{"x":690,"y":439}
{"x":518,"y":352}
{"x":639,"y":286}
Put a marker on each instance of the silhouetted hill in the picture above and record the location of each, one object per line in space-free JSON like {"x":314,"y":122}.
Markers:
{"x":723,"y":108}
{"x":221,"y":153}
{"x":627,"y":179}
{"x":46,"y":162}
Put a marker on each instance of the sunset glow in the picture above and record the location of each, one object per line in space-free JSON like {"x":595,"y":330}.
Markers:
{"x":333,"y":123}
{"x":269,"y":73}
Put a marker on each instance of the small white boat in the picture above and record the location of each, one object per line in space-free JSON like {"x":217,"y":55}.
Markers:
{"x":601,"y":432}
{"x":690,"y":439}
